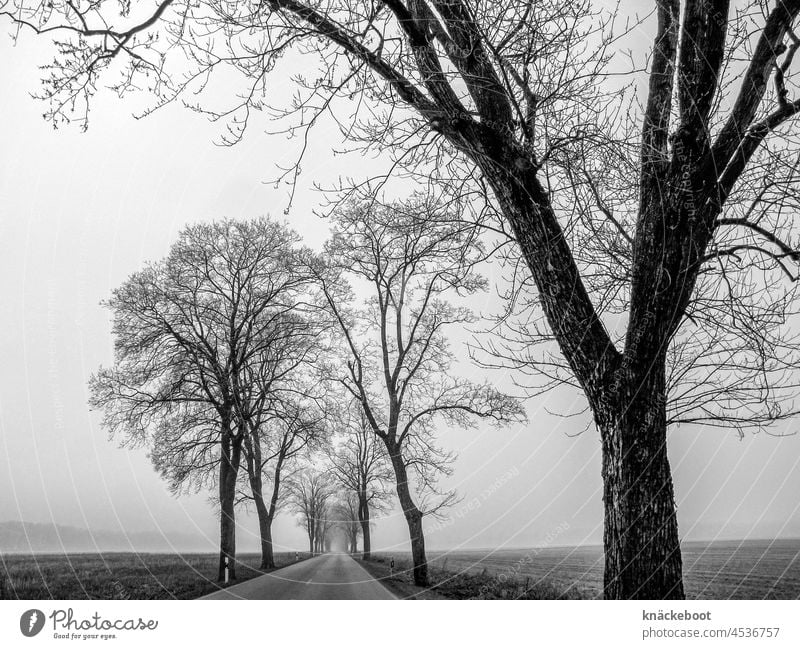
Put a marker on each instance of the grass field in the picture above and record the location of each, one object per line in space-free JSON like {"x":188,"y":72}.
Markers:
{"x":120,"y":575}
{"x":717,"y":570}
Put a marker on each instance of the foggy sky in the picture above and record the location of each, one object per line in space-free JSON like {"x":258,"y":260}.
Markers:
{"x":79,"y":212}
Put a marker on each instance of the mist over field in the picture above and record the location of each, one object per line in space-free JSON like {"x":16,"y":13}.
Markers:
{"x":24,"y":538}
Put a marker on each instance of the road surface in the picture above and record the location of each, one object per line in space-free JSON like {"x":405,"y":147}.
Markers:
{"x":330,"y":576}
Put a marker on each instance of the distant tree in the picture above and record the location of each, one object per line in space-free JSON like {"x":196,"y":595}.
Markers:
{"x":345,"y":514}
{"x":360,"y":465}
{"x":280,"y":401}
{"x":409,"y":257}
{"x":311,"y":499}
{"x":271,"y":449}
{"x":325,"y":524}
{"x":185,"y":332}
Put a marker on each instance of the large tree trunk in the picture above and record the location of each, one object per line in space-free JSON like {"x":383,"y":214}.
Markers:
{"x":413,"y":516}
{"x":265,"y":529}
{"x":363,"y":516}
{"x":642,"y":548}
{"x":265,"y":513}
{"x":228,"y":470}
{"x":641,"y":536}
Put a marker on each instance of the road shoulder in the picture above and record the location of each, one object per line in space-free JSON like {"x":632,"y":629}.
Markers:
{"x":400,"y":584}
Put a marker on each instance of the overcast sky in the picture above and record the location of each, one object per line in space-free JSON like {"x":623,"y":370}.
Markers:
{"x":79,"y":212}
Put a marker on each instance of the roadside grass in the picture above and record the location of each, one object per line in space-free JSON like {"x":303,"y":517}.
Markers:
{"x":724,"y":569}
{"x":121,"y":575}
{"x":449,"y":584}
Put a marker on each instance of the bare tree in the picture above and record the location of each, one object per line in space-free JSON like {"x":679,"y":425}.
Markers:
{"x":184,"y":330}
{"x":347,"y":519}
{"x":311,"y":498}
{"x":361,"y":467}
{"x":325,"y":523}
{"x":271,"y":449}
{"x":506,"y":96}
{"x":409,"y":257}
{"x":279,"y":399}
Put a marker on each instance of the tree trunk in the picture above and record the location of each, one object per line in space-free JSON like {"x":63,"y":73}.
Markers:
{"x":265,"y":529}
{"x":363,"y":517}
{"x":265,"y":514}
{"x":642,"y":548}
{"x":228,"y":470}
{"x":412,"y":514}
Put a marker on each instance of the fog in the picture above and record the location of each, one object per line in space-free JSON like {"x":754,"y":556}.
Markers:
{"x":79,"y":212}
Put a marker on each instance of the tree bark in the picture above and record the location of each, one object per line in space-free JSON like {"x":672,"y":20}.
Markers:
{"x":265,"y":529}
{"x":413,"y":516}
{"x":266,"y":514}
{"x":642,"y":547}
{"x":228,"y":471}
{"x":363,"y":518}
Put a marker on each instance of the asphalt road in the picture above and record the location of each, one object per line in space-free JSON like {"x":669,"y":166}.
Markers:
{"x":330,"y":576}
